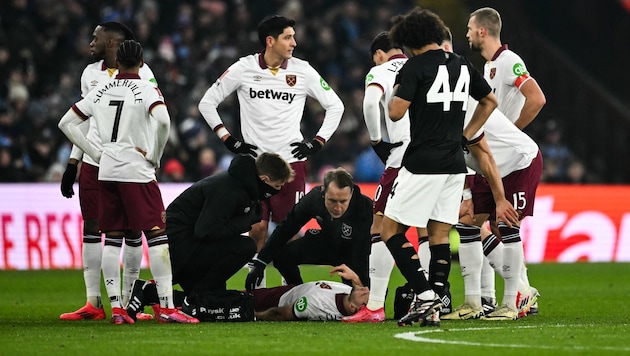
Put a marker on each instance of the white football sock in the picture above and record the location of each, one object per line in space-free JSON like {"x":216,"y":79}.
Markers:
{"x":92,"y":255}
{"x":487,"y":280}
{"x":160,"y":264}
{"x":111,"y":274}
{"x":424,"y":253}
{"x":512,"y":265}
{"x":381,"y":265}
{"x":524,"y":276}
{"x":132,"y":258}
{"x":493,"y":262}
{"x":471,"y":263}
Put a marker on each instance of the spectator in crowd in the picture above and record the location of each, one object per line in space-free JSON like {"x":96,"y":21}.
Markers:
{"x":554,"y":151}
{"x":173,"y":171}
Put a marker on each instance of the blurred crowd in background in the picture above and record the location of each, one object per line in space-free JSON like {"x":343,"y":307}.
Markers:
{"x":44,"y":46}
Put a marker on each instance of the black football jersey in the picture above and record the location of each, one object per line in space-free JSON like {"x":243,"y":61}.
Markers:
{"x":438,"y":84}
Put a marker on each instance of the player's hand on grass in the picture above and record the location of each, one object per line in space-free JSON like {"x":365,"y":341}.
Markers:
{"x":255,"y":275}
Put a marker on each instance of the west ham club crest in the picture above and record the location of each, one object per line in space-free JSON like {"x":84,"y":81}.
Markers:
{"x":291,"y":79}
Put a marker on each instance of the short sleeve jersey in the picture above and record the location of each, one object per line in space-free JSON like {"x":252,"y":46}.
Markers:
{"x":505,"y":73}
{"x":511,"y":148}
{"x":384,"y":75}
{"x":315,"y":300}
{"x":438,"y":84}
{"x":97,"y":73}
{"x":271,"y":105}
{"x":121,"y":109}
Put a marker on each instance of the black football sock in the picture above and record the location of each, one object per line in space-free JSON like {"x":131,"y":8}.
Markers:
{"x":407,"y":261}
{"x":440,"y":267}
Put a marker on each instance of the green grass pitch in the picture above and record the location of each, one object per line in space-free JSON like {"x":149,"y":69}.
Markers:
{"x":583,"y":311}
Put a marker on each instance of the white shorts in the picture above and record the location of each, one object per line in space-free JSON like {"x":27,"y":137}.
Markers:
{"x":417,"y":198}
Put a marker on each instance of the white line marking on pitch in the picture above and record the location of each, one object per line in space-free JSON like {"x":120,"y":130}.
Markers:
{"x":417,"y":336}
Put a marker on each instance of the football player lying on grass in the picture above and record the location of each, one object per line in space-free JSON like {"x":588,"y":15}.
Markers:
{"x":319,"y":301}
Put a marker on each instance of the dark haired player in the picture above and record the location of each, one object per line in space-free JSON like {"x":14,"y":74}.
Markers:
{"x":272,"y":87}
{"x":133,"y":125}
{"x":105,"y":41}
{"x":434,"y":86}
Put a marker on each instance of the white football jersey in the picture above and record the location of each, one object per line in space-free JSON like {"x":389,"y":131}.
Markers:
{"x":505,"y":74}
{"x":511,"y":148}
{"x":271,"y":106}
{"x":384,"y":75}
{"x":97,"y":73}
{"x":121,"y":109}
{"x":315,"y":300}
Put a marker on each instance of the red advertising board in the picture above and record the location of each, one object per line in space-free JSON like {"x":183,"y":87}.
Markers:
{"x":39,"y":229}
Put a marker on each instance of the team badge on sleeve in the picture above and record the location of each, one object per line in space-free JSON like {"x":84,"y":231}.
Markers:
{"x":301,"y":304}
{"x":519,"y":69}
{"x":323,"y":83}
{"x":291,"y":79}
{"x":369,"y":78}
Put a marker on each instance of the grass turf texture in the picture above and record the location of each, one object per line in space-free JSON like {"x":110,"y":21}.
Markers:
{"x":583,"y":311}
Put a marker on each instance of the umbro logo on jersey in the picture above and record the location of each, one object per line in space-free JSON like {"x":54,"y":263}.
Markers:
{"x":271,"y":94}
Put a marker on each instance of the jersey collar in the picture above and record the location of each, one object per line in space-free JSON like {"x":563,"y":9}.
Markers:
{"x":127,"y":76}
{"x":263,"y":65}
{"x":396,"y":56}
{"x":498,"y":52}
